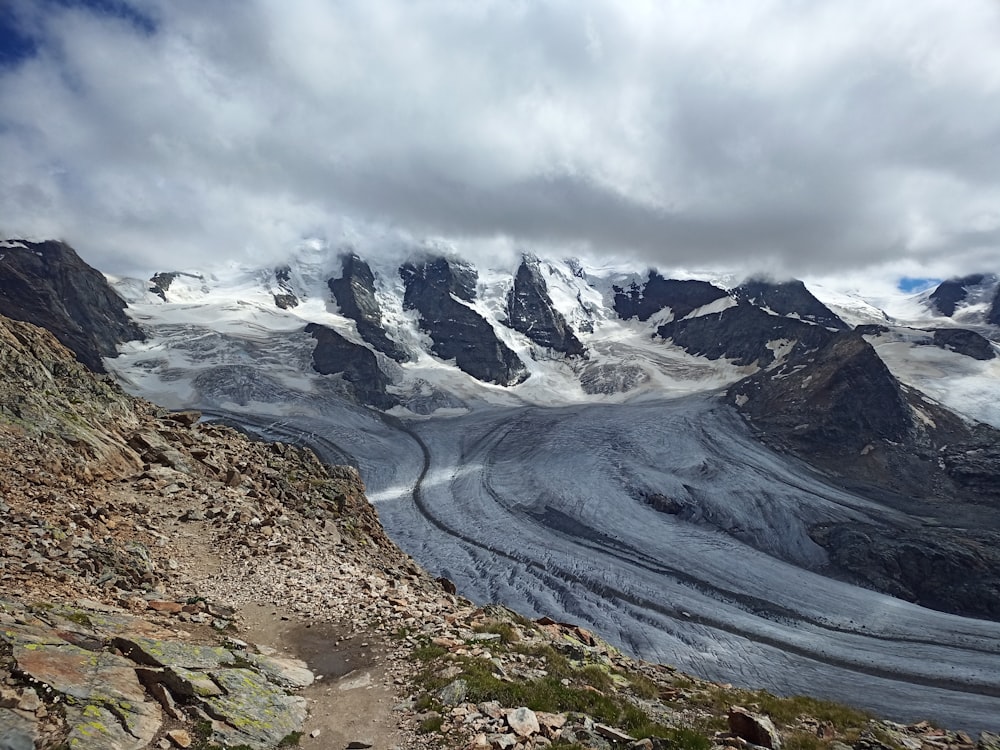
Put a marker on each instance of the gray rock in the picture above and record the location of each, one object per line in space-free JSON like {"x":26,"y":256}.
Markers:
{"x":523,"y":721}
{"x":16,"y":731}
{"x":759,"y":730}
{"x":292,"y":673}
{"x":454,"y":693}
{"x":254,"y":712}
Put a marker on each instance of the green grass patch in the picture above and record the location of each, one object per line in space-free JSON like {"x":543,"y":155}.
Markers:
{"x":507,"y":632}
{"x":431,"y":724}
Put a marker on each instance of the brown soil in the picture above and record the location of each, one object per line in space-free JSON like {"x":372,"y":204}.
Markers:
{"x":353,"y":701}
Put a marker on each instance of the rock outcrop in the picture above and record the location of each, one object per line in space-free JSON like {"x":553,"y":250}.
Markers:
{"x":658,"y":293}
{"x":530,"y":311}
{"x":964,"y":341}
{"x":936,"y":568}
{"x":952,"y":292}
{"x":355,"y":295}
{"x":993,"y":316}
{"x":788,"y":298}
{"x":745,"y":334}
{"x":284,"y":295}
{"x":441,"y":290}
{"x":46,"y":283}
{"x":160,"y":283}
{"x":840,"y":409}
{"x":356,"y":364}
{"x":839,"y":398}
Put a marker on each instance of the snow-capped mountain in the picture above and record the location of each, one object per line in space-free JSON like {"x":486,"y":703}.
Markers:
{"x":417,"y":335}
{"x":759,"y":481}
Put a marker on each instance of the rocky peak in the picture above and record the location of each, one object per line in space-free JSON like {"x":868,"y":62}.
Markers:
{"x":355,"y":294}
{"x":530,"y":311}
{"x":658,"y":293}
{"x":442,"y":275}
{"x":438,"y":289}
{"x":284,"y":296}
{"x":788,"y":298}
{"x":948,"y":294}
{"x":47,"y":283}
{"x":161,"y":282}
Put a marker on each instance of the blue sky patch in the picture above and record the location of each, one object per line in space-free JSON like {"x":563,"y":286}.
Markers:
{"x":19,"y":40}
{"x":911,"y":284}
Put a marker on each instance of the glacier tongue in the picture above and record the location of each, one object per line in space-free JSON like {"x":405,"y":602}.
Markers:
{"x":667,"y":528}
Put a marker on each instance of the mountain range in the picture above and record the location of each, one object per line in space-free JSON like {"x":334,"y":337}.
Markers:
{"x":741,"y":476}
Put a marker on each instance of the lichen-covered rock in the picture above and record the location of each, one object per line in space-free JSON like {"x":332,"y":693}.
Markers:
{"x":252,"y":711}
{"x":161,"y":653}
{"x":292,"y":673}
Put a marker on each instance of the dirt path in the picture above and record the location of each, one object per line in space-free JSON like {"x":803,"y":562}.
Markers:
{"x":352,"y":704}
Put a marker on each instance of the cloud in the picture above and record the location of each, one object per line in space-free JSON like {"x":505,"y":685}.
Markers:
{"x":802,"y":137}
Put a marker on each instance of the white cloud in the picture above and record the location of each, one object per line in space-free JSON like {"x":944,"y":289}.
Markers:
{"x":791,"y":135}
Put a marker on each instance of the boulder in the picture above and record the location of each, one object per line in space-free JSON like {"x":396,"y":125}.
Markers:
{"x":523,"y":722}
{"x":759,"y":730}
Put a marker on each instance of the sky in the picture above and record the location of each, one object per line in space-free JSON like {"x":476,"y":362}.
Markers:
{"x":858,"y":138}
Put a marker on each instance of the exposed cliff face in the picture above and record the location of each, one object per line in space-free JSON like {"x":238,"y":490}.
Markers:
{"x":658,"y":293}
{"x":160,"y":283}
{"x":46,"y":283}
{"x":949,"y":294}
{"x":788,"y":298}
{"x":530,"y":311}
{"x":839,"y":398}
{"x":355,"y":294}
{"x":943,"y":570}
{"x":335,"y":355}
{"x":745,"y":334}
{"x":437,"y":289}
{"x":963,"y":341}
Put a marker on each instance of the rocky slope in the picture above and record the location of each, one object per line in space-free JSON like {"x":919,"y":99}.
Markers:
{"x":355,"y":293}
{"x":138,"y":544}
{"x":47,"y":283}
{"x":841,"y":409}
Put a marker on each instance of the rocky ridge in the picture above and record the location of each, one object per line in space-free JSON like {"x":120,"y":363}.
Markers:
{"x":530,"y":311}
{"x":355,"y":294}
{"x":441,"y":291}
{"x":47,"y":283}
{"x":136,"y":540}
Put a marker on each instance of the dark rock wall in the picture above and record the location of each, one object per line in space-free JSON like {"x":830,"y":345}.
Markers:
{"x":742,"y":334}
{"x":963,"y":341}
{"x":48,"y":284}
{"x":357,"y":364}
{"x":355,"y":294}
{"x":950,"y":293}
{"x":530,"y":311}
{"x":658,"y":293}
{"x":458,"y":332}
{"x":838,"y":399}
